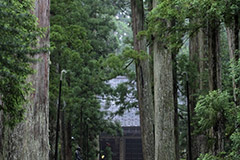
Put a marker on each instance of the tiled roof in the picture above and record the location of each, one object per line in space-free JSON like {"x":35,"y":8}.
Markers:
{"x":129,"y":118}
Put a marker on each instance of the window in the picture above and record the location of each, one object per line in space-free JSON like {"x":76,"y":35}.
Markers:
{"x":133,"y":149}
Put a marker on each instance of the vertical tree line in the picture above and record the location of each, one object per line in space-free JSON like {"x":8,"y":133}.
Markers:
{"x":170,"y":27}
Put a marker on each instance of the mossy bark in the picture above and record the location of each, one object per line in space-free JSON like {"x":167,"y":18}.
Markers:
{"x":29,"y":140}
{"x":234,"y":53}
{"x":165,"y":139}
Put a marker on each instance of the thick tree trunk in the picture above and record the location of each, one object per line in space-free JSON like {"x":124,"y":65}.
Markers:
{"x":214,"y":56}
{"x":165,"y":140}
{"x":144,"y":88}
{"x":197,"y":54}
{"x":194,"y":59}
{"x":217,"y":132}
{"x":164,"y":104}
{"x":163,"y":101}
{"x":197,"y":47}
{"x":30,"y":139}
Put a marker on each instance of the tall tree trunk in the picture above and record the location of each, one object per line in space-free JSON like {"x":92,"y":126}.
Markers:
{"x":197,"y":54}
{"x":217,"y":132}
{"x":30,"y":139}
{"x":214,"y":55}
{"x":175,"y":95}
{"x":164,"y":104}
{"x":163,"y":101}
{"x":144,"y":88}
{"x":233,"y":44}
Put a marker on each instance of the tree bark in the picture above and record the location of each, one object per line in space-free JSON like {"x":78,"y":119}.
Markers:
{"x":197,"y":54}
{"x":217,"y":131}
{"x":164,"y":104}
{"x":233,"y":44}
{"x":163,"y":100}
{"x":144,"y":88}
{"x":30,"y":139}
{"x":210,"y":44}
{"x":214,"y":55}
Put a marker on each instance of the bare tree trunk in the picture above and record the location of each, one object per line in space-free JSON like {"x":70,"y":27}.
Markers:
{"x":163,"y":101}
{"x":144,"y":88}
{"x":164,"y":104}
{"x":30,"y":139}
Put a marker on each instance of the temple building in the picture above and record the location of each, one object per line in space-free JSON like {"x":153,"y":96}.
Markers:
{"x":127,"y":146}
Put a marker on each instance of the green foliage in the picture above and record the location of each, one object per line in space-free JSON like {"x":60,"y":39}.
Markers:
{"x":216,"y":107}
{"x":171,"y":21}
{"x":166,"y":22}
{"x":182,"y":121}
{"x":234,"y":153}
{"x":225,"y":62}
{"x":208,"y":157}
{"x":234,"y":70}
{"x":213,"y":106}
{"x":108,"y":152}
{"x":81,"y":43}
{"x":123,"y":32}
{"x":113,"y":65}
{"x":135,"y":55}
{"x":19,"y":31}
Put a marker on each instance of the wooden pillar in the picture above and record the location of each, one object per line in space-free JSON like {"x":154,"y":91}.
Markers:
{"x":122,"y":148}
